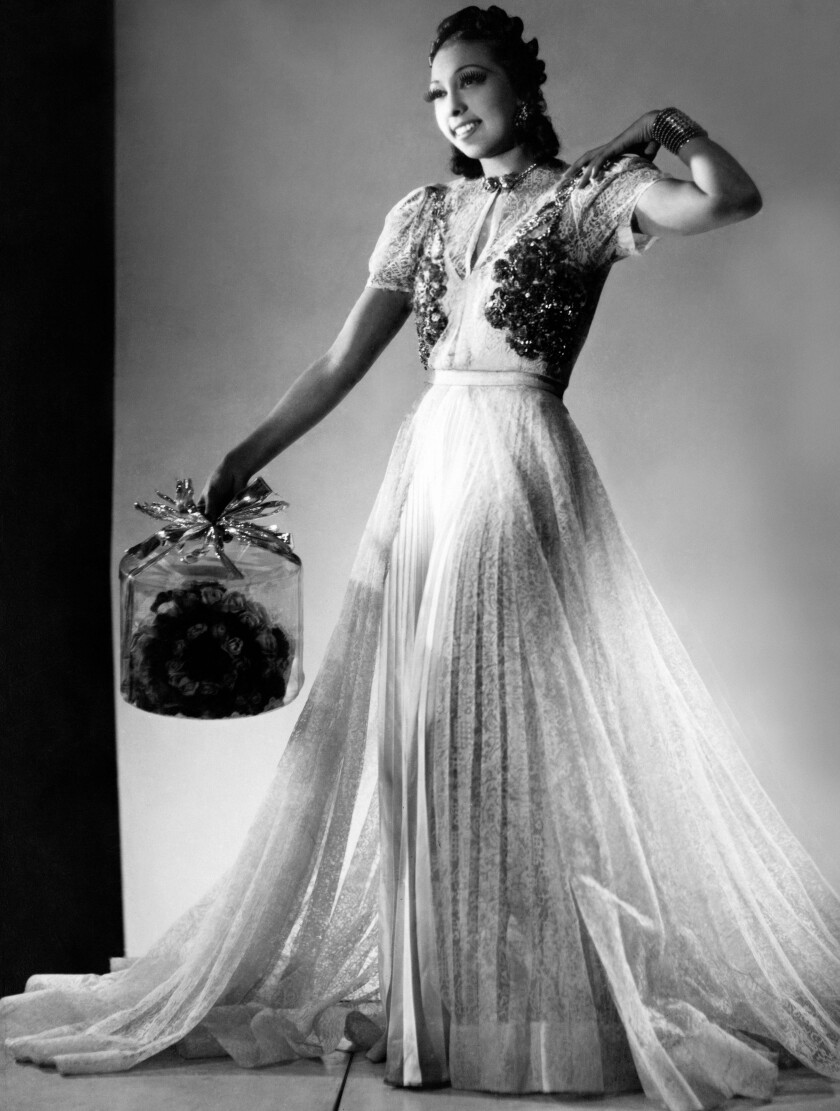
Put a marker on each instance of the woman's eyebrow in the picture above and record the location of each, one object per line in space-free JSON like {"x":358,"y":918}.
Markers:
{"x":466,"y":65}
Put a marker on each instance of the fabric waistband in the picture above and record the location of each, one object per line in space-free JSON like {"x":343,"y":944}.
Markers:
{"x":515,"y":379}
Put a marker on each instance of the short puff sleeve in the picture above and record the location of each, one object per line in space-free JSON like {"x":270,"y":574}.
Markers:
{"x":394,"y":259}
{"x":604,"y":210}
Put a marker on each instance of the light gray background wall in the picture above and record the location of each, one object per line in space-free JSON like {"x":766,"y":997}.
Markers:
{"x":260,"y":143}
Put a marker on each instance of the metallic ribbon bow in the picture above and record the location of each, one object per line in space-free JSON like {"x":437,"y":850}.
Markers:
{"x":184,"y":522}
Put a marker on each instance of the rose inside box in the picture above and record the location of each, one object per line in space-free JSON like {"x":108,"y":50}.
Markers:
{"x":211,"y":611}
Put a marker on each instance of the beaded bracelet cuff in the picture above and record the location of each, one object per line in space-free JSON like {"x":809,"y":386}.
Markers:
{"x":673,"y":128}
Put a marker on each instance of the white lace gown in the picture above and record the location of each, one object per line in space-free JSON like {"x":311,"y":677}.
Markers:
{"x":511,"y":824}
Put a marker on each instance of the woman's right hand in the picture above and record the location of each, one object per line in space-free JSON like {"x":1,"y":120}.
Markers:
{"x":221,"y":487}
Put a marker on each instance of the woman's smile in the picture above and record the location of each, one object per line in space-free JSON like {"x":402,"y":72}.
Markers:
{"x":464,"y":130}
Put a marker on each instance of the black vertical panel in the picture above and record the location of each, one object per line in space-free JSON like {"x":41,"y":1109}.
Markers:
{"x":59,"y":870}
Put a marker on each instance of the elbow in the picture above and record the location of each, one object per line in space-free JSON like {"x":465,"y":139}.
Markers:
{"x":340,"y":370}
{"x":750,"y":204}
{"x":731,"y":208}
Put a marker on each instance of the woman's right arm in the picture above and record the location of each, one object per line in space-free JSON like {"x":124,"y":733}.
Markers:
{"x":373,"y":322}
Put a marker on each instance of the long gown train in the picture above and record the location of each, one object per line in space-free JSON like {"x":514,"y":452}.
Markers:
{"x":626,"y":843}
{"x":511,"y":823}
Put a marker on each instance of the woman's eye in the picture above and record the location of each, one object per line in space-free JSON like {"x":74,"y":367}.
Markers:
{"x":472,"y":77}
{"x":469,"y":77}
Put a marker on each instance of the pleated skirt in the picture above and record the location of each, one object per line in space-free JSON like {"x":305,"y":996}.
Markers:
{"x":511,"y":823}
{"x":574,"y":855}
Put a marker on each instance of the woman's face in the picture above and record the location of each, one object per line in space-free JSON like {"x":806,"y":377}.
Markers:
{"x":473,"y":98}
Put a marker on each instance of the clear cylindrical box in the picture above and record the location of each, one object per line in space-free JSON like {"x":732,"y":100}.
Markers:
{"x":211,"y":619}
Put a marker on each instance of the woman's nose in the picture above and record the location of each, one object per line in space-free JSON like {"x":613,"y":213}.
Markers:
{"x":456,"y":98}
{"x":456,"y":105}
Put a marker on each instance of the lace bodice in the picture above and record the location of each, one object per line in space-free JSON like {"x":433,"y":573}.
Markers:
{"x":526,"y":301}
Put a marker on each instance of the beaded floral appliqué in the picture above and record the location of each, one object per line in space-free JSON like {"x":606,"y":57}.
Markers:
{"x":430,"y":285}
{"x":540,"y":300}
{"x":429,"y":317}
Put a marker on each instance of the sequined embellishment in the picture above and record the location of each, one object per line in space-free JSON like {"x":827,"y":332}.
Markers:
{"x":542,"y":296}
{"x":539,"y":301}
{"x":430,"y":285}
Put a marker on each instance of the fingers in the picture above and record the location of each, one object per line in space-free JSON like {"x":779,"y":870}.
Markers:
{"x":212,"y":509}
{"x":588,"y":166}
{"x":590,"y":171}
{"x":219,"y":490}
{"x":576,"y":168}
{"x":201,"y":500}
{"x":209,"y":503}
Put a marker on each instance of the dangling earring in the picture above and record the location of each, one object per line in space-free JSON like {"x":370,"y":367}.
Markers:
{"x":522,"y":117}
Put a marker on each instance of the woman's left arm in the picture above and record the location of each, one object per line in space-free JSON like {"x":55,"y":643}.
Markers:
{"x":720,"y":191}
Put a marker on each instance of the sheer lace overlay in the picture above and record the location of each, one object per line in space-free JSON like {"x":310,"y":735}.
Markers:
{"x":511,"y":824}
{"x":537,"y":281}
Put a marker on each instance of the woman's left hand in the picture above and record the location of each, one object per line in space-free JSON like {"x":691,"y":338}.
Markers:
{"x":635,"y":139}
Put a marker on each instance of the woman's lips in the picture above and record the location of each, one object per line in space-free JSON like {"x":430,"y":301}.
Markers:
{"x":465,"y":130}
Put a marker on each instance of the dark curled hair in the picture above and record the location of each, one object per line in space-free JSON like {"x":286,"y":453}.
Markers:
{"x":525,"y":71}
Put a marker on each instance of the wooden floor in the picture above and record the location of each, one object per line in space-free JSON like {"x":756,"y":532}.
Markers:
{"x":341,"y":1081}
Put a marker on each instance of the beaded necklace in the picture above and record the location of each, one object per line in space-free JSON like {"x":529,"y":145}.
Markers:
{"x":506,"y":182}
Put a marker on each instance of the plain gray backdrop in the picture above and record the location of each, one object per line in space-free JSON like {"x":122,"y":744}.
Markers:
{"x":260,"y":144}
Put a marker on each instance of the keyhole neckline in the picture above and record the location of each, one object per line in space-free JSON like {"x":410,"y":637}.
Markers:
{"x":488,"y":213}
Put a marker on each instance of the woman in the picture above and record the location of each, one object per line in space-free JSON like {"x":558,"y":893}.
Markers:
{"x":507,"y":762}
